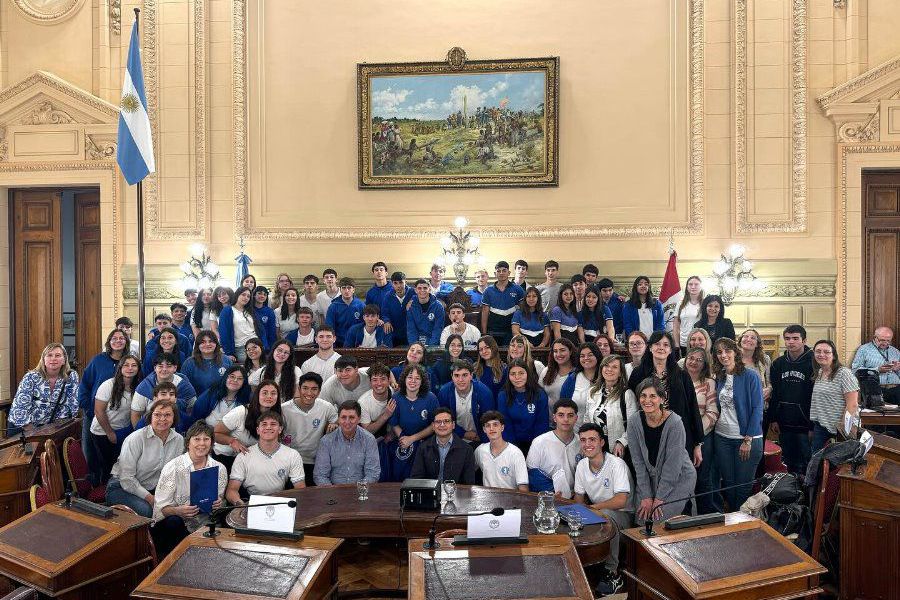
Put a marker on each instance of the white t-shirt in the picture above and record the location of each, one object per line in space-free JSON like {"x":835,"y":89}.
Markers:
{"x":470,"y":336}
{"x":611,"y":479}
{"x":727,"y":425}
{"x":306,"y":340}
{"x":582,"y":394}
{"x":556,"y":459}
{"x":325,"y":368}
{"x":306,"y":428}
{"x":323,"y":301}
{"x":206,"y":319}
{"x":287,"y":325}
{"x":464,"y":417}
{"x":688,"y":316}
{"x":506,"y":470}
{"x":313,"y":306}
{"x":553,"y":389}
{"x":645,"y":317}
{"x":256,"y":376}
{"x":263,"y":473}
{"x":371,"y":407}
{"x":368,"y":340}
{"x":243,"y":327}
{"x":215,"y":417}
{"x":118,"y":417}
{"x":234,"y":421}
{"x":337,"y":394}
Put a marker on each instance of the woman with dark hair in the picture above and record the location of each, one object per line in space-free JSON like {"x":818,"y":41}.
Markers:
{"x":206,"y":366}
{"x":564,"y":316}
{"x":416,"y":354}
{"x":662,"y":468}
{"x":46,"y":393}
{"x":216,"y":402}
{"x":835,"y":393}
{"x":249,"y":282}
{"x":238,"y":325}
{"x":604,"y":344}
{"x":611,"y":403}
{"x":236,"y":432}
{"x":739,"y":437}
{"x":712,"y":319}
{"x":279,"y":368}
{"x":643,"y":312}
{"x":524,"y":405}
{"x":595,"y":317}
{"x":222,"y":297}
{"x":530,"y":320}
{"x":660,"y":362}
{"x":563,"y":356}
{"x":256,"y":355}
{"x":111,"y":423}
{"x":687,"y":313}
{"x":578,"y":384}
{"x":287,"y":314}
{"x":166,"y":341}
{"x":411,"y":421}
{"x":489,"y":368}
{"x":201,"y":315}
{"x":441,"y":371}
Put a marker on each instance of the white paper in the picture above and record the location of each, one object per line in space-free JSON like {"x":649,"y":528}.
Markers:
{"x":271,"y":518}
{"x":509,"y":524}
{"x":867,"y":441}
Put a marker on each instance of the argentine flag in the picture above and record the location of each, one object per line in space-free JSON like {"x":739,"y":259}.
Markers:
{"x":135,"y":149}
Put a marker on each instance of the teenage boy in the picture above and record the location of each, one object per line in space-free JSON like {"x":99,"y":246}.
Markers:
{"x":520,"y":272}
{"x":265,"y":316}
{"x":424,"y":316}
{"x":306,"y":419}
{"x":161,"y":321}
{"x":331,"y":291}
{"x":323,"y":361}
{"x":382,"y":287}
{"x":163,"y":371}
{"x":613,"y":302}
{"x":393,"y":308}
{"x":376,"y":405}
{"x":180,"y":321}
{"x":440,"y":288}
{"x":345,"y":310}
{"x":369,"y":334}
{"x":310,"y":298}
{"x":458,"y":325}
{"x":268,"y":465}
{"x":467,"y":398}
{"x":125,"y":325}
{"x":502,"y":464}
{"x":550,"y":288}
{"x":579,"y":284}
{"x":792,"y":386}
{"x":591,"y":274}
{"x":481,"y":284}
{"x":347,"y":383}
{"x":553,"y":455}
{"x":499,"y":303}
{"x":305,"y":334}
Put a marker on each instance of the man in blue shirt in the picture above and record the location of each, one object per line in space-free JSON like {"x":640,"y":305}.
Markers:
{"x":424,"y":317}
{"x":268,"y":322}
{"x":180,"y":321}
{"x":481,"y":284}
{"x":393,"y":307}
{"x":498,"y":304}
{"x":378,"y":292}
{"x":880,"y":356}
{"x":348,"y":454}
{"x":345,"y":311}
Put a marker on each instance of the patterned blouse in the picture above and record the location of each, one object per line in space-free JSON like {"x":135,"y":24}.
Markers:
{"x":35,"y":403}
{"x":708,"y":403}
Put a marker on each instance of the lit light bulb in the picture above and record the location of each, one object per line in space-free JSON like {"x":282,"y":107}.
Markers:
{"x":188,"y":282}
{"x":474,"y":241}
{"x":759,"y":285}
{"x":468,"y":259}
{"x":745,"y":284}
{"x":439,"y":260}
{"x":460,"y":222}
{"x":720,"y":267}
{"x":205,"y":282}
{"x":212,"y":268}
{"x":185,"y":267}
{"x":729,"y":283}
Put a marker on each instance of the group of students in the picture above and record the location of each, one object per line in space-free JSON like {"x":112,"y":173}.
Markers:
{"x":625,"y":434}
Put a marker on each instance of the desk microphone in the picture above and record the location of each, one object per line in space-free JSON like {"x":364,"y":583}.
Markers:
{"x":432,"y":543}
{"x":218,"y":513}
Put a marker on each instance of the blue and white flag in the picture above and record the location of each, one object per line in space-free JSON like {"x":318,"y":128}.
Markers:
{"x":135,"y":149}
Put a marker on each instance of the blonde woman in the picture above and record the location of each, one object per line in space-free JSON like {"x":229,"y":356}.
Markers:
{"x":611,"y":403}
{"x":688,"y":312}
{"x":46,"y":393}
{"x":698,"y":367}
{"x":283,"y":283}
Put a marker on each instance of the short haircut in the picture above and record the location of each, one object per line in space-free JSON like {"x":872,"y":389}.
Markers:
{"x":379,"y":369}
{"x":606,"y":282}
{"x":305,"y":310}
{"x":601,"y":432}
{"x":440,"y":410}
{"x":551,"y":264}
{"x":398,"y":276}
{"x":456,"y":305}
{"x":459,"y":365}
{"x":189,"y":291}
{"x":162,"y":317}
{"x":168,"y":357}
{"x":270,"y":414}
{"x":436,"y":266}
{"x":350,"y":405}
{"x":164,"y":386}
{"x":346,"y":361}
{"x":124,"y":321}
{"x":165,"y":404}
{"x":378,"y":264}
{"x":311,"y":277}
{"x":492,"y":415}
{"x":325,"y":329}
{"x":371,"y":309}
{"x":565,"y":403}
{"x":795,"y":329}
{"x":651,"y":382}
{"x":420,"y":282}
{"x":522,"y":263}
{"x":177,"y":305}
{"x":200,"y":427}
{"x":577,"y":278}
{"x":501,"y":264}
{"x":590,"y":268}
{"x":329,"y":271}
{"x":310,"y":376}
{"x":346,"y":282}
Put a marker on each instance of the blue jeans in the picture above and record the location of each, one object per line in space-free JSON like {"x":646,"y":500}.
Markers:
{"x":820,"y":437}
{"x":116,"y":495}
{"x":707,"y":504}
{"x":94,"y":462}
{"x":735,"y":471}
{"x":794,"y":450}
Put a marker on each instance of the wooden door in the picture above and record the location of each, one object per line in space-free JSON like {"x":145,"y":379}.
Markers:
{"x":36,"y":288}
{"x":881,"y":249}
{"x":88,"y":337}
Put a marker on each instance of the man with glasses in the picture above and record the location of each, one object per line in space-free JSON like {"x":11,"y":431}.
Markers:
{"x":444,"y":456}
{"x":880,"y":356}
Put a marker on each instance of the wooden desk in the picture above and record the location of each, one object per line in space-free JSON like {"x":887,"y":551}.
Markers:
{"x":886,"y":446}
{"x":546,"y":567}
{"x":742,"y":558}
{"x":232,"y":566}
{"x":335,"y":511}
{"x":67,"y":554}
{"x":58,"y":431}
{"x":870,"y":527}
{"x":18,"y":472}
{"x":879,"y":419}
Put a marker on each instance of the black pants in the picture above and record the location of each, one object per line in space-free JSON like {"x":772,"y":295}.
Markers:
{"x":308,"y":474}
{"x":107,"y":452}
{"x":167,"y":534}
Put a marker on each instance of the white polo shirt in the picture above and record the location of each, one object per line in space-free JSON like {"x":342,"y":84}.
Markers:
{"x":335,"y":392}
{"x":263,"y":473}
{"x":611,"y":479}
{"x":306,"y":428}
{"x":556,"y":459}
{"x":325,"y":368}
{"x":506,"y":470}
{"x":234,"y":421}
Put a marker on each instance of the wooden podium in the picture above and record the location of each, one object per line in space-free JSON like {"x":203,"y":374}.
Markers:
{"x":64,"y":553}
{"x":18,"y":471}
{"x":742,"y":558}
{"x":546,"y":567}
{"x":870,"y":527}
{"x":231,"y":567}
{"x":57,"y":431}
{"x":886,"y":446}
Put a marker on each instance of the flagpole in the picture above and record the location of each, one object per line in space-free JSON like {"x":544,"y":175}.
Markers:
{"x":140,"y":240}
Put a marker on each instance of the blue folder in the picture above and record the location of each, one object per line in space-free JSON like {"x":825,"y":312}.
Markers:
{"x":205,"y":488}
{"x":588,"y":516}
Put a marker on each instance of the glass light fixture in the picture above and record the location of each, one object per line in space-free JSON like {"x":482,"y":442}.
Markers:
{"x":733,"y":273}
{"x":460,"y":250}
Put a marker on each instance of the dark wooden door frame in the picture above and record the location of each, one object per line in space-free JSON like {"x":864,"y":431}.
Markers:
{"x":888,"y":222}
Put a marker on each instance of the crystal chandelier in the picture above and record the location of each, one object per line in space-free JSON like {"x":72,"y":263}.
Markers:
{"x":733,"y":274}
{"x":199,"y":271}
{"x":459,"y":249}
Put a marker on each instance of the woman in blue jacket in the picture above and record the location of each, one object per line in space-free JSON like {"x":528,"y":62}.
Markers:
{"x":739,"y":439}
{"x":523,"y":404}
{"x":167,"y":341}
{"x":213,"y":404}
{"x":206,"y":366}
{"x":238,"y":325}
{"x":643,"y":312}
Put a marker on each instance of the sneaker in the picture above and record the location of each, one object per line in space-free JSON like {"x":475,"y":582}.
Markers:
{"x":610,"y":583}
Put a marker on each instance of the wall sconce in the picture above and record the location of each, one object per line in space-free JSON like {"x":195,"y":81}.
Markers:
{"x":459,"y":249}
{"x":199,"y":271}
{"x":734,"y":274}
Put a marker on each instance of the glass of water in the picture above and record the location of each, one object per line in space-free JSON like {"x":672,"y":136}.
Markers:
{"x":575,"y":524}
{"x":362,"y":491}
{"x":449,"y":490}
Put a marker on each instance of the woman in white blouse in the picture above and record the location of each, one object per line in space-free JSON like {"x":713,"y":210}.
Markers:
{"x":611,"y":403}
{"x":174,"y":517}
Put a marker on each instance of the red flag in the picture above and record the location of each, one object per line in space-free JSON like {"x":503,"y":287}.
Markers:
{"x":670,"y":285}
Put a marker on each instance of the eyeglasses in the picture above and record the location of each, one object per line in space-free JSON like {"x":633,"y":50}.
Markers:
{"x":634,"y":344}
{"x":442,"y":421}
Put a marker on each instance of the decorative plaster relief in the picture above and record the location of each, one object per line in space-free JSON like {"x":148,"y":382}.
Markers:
{"x":47,"y":12}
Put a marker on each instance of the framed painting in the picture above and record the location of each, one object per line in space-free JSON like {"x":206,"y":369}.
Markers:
{"x":459,"y":123}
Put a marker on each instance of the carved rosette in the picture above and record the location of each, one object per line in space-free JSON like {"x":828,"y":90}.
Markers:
{"x":47,"y":12}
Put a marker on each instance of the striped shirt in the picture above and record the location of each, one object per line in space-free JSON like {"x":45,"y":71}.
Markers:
{"x":827,"y":407}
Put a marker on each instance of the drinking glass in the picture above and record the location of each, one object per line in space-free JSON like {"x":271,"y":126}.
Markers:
{"x":576,"y":522}
{"x":362,"y":491}
{"x":449,"y":489}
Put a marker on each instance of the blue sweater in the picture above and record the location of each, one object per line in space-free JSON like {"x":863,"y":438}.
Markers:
{"x":524,"y":421}
{"x":487,"y":378}
{"x":206,"y":375}
{"x":150,"y":355}
{"x":185,"y":398}
{"x":631,"y":321}
{"x":226,"y":330}
{"x":748,"y":401}
{"x":342,"y":316}
{"x":376,"y":294}
{"x":267,"y":324}
{"x":428,"y":324}
{"x":482,"y":401}
{"x":355,"y":337}
{"x":101,"y":368}
{"x":615,"y":307}
{"x":393,"y":311}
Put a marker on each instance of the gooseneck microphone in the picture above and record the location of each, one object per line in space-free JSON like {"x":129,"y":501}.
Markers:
{"x":432,"y":543}
{"x":219,"y":513}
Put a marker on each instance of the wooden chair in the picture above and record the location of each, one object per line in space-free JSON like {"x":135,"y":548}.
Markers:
{"x":77,"y":470}
{"x":21,"y":593}
{"x":51,"y":472}
{"x":39,"y":496}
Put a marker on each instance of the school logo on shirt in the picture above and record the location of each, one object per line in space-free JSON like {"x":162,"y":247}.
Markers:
{"x":578,"y":457}
{"x":606,"y":482}
{"x":504,"y":470}
{"x":264,"y":319}
{"x":356,"y":315}
{"x":513,"y":295}
{"x":221,"y":371}
{"x":286,"y":439}
{"x":424,"y":414}
{"x":431,"y":316}
{"x":316,"y":423}
{"x":531,"y":408}
{"x":405,"y":453}
{"x":282,"y":473}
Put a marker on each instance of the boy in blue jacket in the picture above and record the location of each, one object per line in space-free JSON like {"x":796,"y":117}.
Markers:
{"x":369,"y":334}
{"x":424,"y":317}
{"x":345,"y":311}
{"x":393,"y":307}
{"x":470,"y":392}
